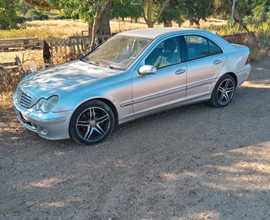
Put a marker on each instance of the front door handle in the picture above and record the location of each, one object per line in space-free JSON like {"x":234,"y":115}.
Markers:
{"x":218,"y":61}
{"x":180,"y":71}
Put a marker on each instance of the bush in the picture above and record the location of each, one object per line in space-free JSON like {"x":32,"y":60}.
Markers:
{"x":63,"y":17}
{"x":34,"y":14}
{"x":256,"y":19}
{"x":21,"y":19}
{"x":222,"y":16}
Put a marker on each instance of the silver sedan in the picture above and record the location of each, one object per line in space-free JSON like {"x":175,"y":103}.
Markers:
{"x":133,"y":74}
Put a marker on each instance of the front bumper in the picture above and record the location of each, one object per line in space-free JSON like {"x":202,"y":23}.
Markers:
{"x":52,"y":126}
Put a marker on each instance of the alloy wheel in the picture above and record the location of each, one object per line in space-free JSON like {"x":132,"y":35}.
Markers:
{"x":93,"y":124}
{"x":225,"y":91}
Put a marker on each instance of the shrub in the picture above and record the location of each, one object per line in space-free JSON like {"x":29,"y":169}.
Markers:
{"x":34,"y":14}
{"x":63,"y":17}
{"x":21,"y":19}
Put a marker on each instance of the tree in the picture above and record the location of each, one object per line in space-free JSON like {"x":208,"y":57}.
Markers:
{"x":95,"y":12}
{"x":153,"y":10}
{"x":127,"y":8}
{"x":173,"y":11}
{"x":23,"y":7}
{"x":196,"y":10}
{"x":43,"y":5}
{"x":8,"y":15}
{"x":242,"y":8}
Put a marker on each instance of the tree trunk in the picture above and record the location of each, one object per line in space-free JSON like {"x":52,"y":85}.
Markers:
{"x":101,"y":24}
{"x":149,"y":14}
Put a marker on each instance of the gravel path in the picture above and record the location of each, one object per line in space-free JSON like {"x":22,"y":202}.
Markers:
{"x":194,"y":162}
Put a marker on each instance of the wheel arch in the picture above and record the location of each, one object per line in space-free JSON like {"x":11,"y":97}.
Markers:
{"x":232,"y":74}
{"x":111,"y":105}
{"x":106,"y":101}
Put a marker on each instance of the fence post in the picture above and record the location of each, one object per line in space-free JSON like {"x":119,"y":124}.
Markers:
{"x":78,"y":45}
{"x":73,"y":46}
{"x":65,"y":50}
{"x":84,"y":44}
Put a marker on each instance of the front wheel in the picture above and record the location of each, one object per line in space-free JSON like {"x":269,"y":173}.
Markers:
{"x":91,"y":123}
{"x":223,"y":92}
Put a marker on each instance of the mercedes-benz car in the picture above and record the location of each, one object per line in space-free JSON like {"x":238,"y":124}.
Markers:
{"x":133,"y":74}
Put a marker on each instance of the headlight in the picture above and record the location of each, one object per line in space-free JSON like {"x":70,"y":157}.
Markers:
{"x":46,"y":105}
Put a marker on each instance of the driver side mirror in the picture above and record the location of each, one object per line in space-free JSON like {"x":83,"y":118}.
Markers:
{"x":147,"y":70}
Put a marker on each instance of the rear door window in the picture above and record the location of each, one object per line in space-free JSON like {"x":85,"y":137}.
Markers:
{"x":198,"y":47}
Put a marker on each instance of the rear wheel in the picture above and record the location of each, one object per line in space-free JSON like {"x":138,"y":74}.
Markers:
{"x":91,"y":123}
{"x":223,"y":92}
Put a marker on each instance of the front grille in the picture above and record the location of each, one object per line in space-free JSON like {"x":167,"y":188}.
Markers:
{"x":24,"y":98}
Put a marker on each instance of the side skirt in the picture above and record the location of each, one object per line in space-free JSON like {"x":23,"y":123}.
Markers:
{"x":165,"y":108}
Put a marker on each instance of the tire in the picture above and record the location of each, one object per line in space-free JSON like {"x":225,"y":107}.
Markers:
{"x":223,"y":92}
{"x":91,"y":123}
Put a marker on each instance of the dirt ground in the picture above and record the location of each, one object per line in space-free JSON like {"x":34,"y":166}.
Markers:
{"x":194,"y":162}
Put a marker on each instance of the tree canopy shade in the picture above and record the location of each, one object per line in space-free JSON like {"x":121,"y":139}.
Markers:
{"x":8,"y":16}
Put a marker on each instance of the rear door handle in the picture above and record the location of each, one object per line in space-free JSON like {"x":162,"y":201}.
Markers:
{"x":218,"y":61}
{"x":180,"y":71}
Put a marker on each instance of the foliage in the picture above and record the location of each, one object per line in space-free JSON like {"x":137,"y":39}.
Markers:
{"x":127,"y":8}
{"x":8,"y":15}
{"x":22,"y":7}
{"x":63,"y":17}
{"x":172,"y":12}
{"x":152,"y":10}
{"x":44,"y":5}
{"x":34,"y":14}
{"x":79,"y":8}
{"x":196,"y":10}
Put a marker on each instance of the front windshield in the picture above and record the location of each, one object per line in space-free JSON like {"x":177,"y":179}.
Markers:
{"x":119,"y":52}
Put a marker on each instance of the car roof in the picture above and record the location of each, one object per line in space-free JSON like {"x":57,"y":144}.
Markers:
{"x":155,"y":32}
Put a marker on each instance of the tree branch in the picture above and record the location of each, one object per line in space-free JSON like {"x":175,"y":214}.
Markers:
{"x":230,"y":2}
{"x":146,"y":20}
{"x":160,"y":12}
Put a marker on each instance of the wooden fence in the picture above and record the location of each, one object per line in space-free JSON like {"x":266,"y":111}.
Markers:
{"x":241,"y":38}
{"x":77,"y":44}
{"x":59,"y":49}
{"x":20,"y":44}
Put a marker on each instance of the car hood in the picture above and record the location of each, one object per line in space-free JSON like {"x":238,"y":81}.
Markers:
{"x":63,"y":77}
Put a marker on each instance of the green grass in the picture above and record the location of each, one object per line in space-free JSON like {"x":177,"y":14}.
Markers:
{"x":228,"y":30}
{"x":53,"y":13}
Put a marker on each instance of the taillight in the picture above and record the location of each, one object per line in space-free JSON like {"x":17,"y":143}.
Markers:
{"x":248,"y":60}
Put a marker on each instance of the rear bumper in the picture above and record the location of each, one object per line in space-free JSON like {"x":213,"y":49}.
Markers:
{"x":52,"y":126}
{"x":243,"y":74}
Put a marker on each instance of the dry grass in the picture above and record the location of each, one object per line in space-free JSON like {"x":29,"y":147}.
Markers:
{"x":54,"y":29}
{"x":49,"y":29}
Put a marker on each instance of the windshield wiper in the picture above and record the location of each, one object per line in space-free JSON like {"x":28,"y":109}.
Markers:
{"x":89,"y":62}
{"x":102,"y":64}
